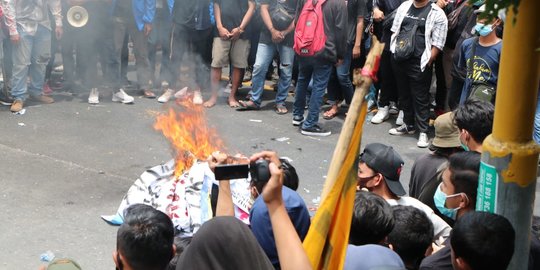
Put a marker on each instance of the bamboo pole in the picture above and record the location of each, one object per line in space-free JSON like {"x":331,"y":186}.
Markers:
{"x":362,"y":83}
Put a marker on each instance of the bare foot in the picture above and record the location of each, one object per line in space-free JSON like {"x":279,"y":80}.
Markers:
{"x":210,"y":103}
{"x":331,"y":113}
{"x":233,"y":103}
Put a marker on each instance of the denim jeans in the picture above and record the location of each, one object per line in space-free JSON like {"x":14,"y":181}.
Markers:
{"x":341,"y":86}
{"x":30,"y":58}
{"x":265,"y":54}
{"x":318,"y":71}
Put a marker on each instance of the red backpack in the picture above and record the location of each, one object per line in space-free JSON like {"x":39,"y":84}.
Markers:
{"x":309,"y":37}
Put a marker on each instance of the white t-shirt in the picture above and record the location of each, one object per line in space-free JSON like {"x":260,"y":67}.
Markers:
{"x":440,"y":227}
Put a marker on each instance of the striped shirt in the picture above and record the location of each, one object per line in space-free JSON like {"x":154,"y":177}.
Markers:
{"x":436,"y":28}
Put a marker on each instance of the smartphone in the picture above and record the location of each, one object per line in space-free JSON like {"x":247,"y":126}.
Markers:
{"x":233,"y":171}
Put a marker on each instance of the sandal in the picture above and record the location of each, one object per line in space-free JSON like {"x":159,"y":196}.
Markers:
{"x":247,"y":106}
{"x":280,"y":109}
{"x":149,"y":94}
{"x":330,"y":114}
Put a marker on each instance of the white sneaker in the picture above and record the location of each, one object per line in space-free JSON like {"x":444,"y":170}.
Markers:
{"x":197,"y":97}
{"x":181,"y":93}
{"x":423,"y":140}
{"x":393,"y":109}
{"x":381,"y":116}
{"x":93,"y":98}
{"x":399,"y":119}
{"x":166,"y":96}
{"x":122,"y":96}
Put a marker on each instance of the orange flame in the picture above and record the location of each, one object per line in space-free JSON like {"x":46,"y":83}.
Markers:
{"x":189,"y":134}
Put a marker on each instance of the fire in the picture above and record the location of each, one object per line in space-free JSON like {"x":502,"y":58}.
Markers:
{"x":190,"y":135}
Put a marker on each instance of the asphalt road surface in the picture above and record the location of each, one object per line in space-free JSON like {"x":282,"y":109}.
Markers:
{"x":65,"y":164}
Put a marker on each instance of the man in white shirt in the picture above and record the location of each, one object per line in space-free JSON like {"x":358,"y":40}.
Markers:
{"x":379,"y":170}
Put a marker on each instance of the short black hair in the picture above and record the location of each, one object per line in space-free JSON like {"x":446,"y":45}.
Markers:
{"x":412,"y":234}
{"x":145,"y":238}
{"x":476,"y":117}
{"x":483,"y":240}
{"x":181,"y":244}
{"x":290,"y":177}
{"x":464,"y":171}
{"x":372,"y":219}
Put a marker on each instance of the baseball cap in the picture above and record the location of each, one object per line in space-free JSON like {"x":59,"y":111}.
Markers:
{"x":385,"y":160}
{"x":446,"y":132}
{"x":63,"y":264}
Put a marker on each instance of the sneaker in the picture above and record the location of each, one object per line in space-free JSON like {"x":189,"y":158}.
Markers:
{"x":122,"y":96}
{"x":401,"y":130}
{"x":399,"y":119}
{"x":423,"y":140}
{"x":247,"y":75}
{"x":315,"y":131}
{"x":381,"y":116}
{"x":42,"y":98}
{"x":297,"y":120}
{"x":197,"y":97}
{"x":93,"y":98}
{"x":166,"y":96}
{"x":393,"y":109}
{"x":181,"y":93}
{"x":5,"y":98}
{"x":17,"y":105}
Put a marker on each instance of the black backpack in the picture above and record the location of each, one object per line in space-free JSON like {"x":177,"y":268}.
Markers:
{"x":405,"y":40}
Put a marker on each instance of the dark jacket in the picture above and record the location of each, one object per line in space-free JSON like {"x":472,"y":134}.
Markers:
{"x":335,"y":29}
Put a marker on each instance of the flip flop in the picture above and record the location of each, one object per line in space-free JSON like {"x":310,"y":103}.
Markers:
{"x":149,"y":94}
{"x":328,"y":116}
{"x":247,"y":106}
{"x":280,"y":109}
{"x":235,"y":104}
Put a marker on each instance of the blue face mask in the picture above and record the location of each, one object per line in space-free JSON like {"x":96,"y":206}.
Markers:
{"x":440,"y":201}
{"x":465,"y":147}
{"x":483,"y":29}
{"x":479,"y":3}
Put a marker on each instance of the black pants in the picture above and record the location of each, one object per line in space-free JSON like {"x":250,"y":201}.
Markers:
{"x":441,"y":92}
{"x":413,"y":85}
{"x":454,"y":95}
{"x":197,"y":45}
{"x":389,"y":89}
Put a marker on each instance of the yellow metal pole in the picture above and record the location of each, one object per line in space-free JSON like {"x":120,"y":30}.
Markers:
{"x":510,"y":158}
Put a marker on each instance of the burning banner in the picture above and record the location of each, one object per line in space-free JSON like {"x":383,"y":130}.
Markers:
{"x":181,"y":188}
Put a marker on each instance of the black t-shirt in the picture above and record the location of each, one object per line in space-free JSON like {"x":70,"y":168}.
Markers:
{"x":355,"y":9}
{"x":290,"y":7}
{"x":232,"y":13}
{"x":123,"y":9}
{"x":440,"y":260}
{"x":193,"y":14}
{"x":413,"y":15}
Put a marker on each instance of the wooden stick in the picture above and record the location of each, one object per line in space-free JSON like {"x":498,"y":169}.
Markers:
{"x":362,"y":83}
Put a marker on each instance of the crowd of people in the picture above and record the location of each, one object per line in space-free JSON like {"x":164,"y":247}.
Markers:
{"x":197,"y":39}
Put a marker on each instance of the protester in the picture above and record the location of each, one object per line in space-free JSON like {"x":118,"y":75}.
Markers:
{"x":30,"y":32}
{"x":277,"y":35}
{"x":454,"y":197}
{"x":411,"y":236}
{"x":383,"y":16}
{"x":379,"y":170}
{"x":474,"y":120}
{"x":482,"y":240}
{"x":317,"y":68}
{"x":428,"y":168}
{"x":134,"y":18}
{"x":230,"y":45}
{"x":426,"y":24}
{"x":144,"y":240}
{"x":160,"y":38}
{"x":340,"y":85}
{"x":480,"y":56}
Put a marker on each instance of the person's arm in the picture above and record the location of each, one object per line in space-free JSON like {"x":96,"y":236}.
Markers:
{"x":236,"y":32}
{"x":55,"y":7}
{"x":340,"y":27}
{"x":8,"y":6}
{"x":361,"y":12}
{"x":225,"y":206}
{"x":149,"y":15}
{"x":289,"y":247}
{"x":277,"y":36}
{"x":223,"y":33}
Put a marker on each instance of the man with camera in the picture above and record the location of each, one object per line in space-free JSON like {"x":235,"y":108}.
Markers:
{"x":278,"y":17}
{"x":263,"y":168}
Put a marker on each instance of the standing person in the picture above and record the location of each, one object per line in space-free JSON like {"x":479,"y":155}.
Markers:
{"x":84,"y":41}
{"x":231,"y":44}
{"x":278,"y":18}
{"x":160,"y":37}
{"x":318,"y":66}
{"x":482,"y":67}
{"x":134,"y":18}
{"x":419,"y":34}
{"x":341,"y":85}
{"x":30,"y":32}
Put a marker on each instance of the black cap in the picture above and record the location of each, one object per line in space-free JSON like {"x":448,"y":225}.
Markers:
{"x":385,"y":160}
